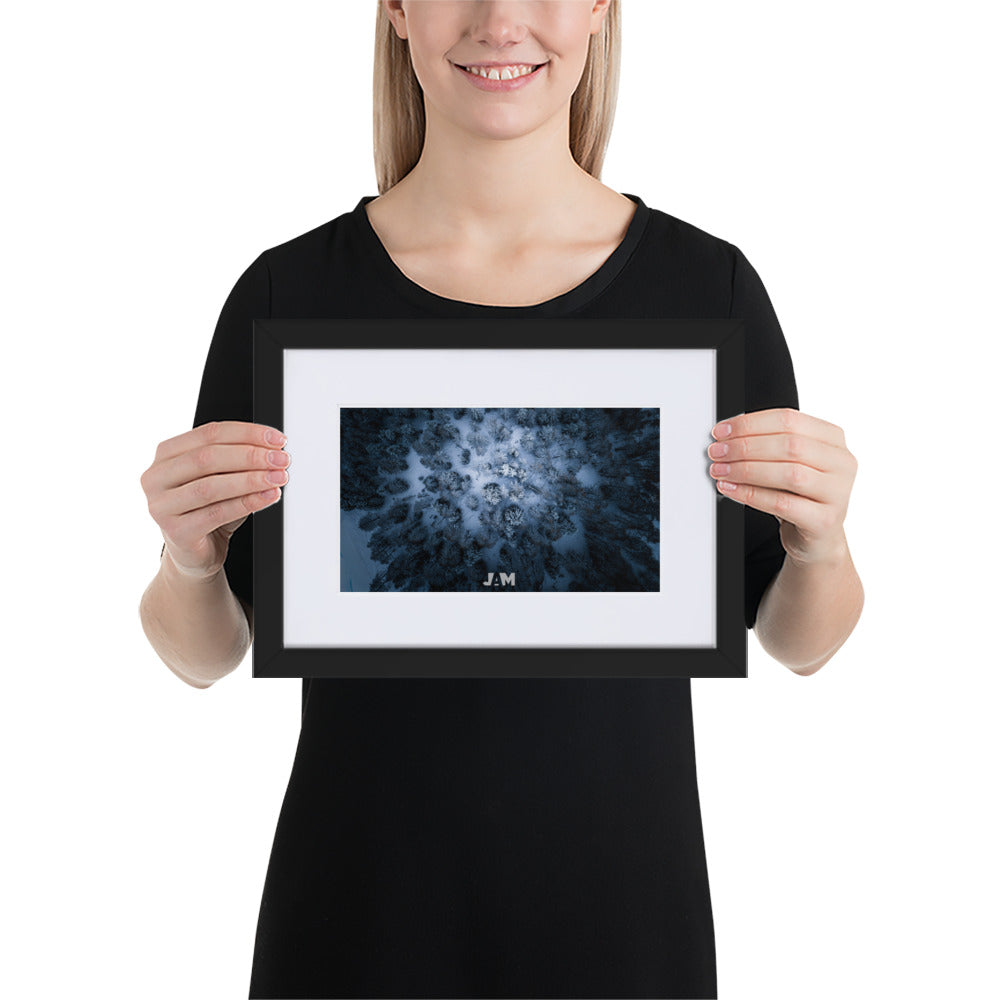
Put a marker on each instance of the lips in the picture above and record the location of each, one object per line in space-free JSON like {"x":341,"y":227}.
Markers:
{"x":516,"y":68}
{"x":497,"y":82}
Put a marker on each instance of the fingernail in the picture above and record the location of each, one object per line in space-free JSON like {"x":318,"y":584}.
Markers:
{"x":276,"y":438}
{"x":722,"y":430}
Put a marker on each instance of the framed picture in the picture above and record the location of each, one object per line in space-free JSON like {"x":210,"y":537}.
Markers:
{"x":464,"y":493}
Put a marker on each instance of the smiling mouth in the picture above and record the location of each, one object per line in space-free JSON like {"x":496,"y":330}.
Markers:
{"x":511,"y":72}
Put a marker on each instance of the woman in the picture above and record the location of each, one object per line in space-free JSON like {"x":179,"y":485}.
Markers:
{"x":495,"y":837}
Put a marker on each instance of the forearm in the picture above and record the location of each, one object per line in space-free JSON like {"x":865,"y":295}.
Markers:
{"x":197,"y":627}
{"x":808,"y":611}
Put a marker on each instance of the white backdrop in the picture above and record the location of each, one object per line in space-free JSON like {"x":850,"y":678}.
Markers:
{"x":153,"y":151}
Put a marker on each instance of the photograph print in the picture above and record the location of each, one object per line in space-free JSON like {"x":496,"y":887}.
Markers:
{"x":499,"y":499}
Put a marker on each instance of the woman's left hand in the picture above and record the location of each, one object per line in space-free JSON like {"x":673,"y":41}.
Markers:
{"x":794,"y":466}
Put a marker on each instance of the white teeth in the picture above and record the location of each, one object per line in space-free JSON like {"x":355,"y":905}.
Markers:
{"x":501,"y":73}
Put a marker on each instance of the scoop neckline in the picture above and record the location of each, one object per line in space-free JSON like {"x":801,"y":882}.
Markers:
{"x":562,"y":304}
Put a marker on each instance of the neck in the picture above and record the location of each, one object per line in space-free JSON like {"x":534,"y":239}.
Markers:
{"x":490,"y":191}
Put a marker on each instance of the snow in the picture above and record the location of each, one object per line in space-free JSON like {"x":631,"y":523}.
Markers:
{"x":358,"y":568}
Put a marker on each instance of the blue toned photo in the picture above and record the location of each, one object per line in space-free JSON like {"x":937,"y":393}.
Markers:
{"x":500,"y":499}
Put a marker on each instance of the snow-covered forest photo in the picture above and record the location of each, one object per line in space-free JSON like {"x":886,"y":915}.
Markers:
{"x":499,"y":499}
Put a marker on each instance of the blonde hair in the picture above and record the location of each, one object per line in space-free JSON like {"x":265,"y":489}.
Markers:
{"x":398,"y":113}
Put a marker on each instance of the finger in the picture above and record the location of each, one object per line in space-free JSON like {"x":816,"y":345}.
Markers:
{"x":783,"y":420}
{"x":800,"y":511}
{"x":215,"y":489}
{"x":215,"y":459}
{"x":819,"y":455}
{"x":788,"y":476}
{"x":187,"y":530}
{"x":219,"y":432}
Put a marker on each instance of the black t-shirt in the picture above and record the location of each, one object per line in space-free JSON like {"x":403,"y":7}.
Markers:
{"x":492,"y":837}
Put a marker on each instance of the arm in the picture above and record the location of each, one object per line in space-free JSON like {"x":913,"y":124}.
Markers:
{"x":198,"y":627}
{"x":809,"y":610}
{"x":798,"y":468}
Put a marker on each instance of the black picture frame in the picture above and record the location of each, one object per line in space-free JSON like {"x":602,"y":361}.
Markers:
{"x":591,"y":342}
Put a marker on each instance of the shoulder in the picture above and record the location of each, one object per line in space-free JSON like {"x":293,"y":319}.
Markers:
{"x":691,"y":268}
{"x":311,"y":248}
{"x":671,"y":235}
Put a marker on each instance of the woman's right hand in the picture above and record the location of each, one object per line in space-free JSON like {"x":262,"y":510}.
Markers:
{"x":203,"y":485}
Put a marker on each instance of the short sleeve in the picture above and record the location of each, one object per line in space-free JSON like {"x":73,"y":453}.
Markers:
{"x":770,"y":383}
{"x":227,"y":392}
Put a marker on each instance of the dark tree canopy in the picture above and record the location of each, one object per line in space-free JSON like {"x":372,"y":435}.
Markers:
{"x":566,"y":498}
